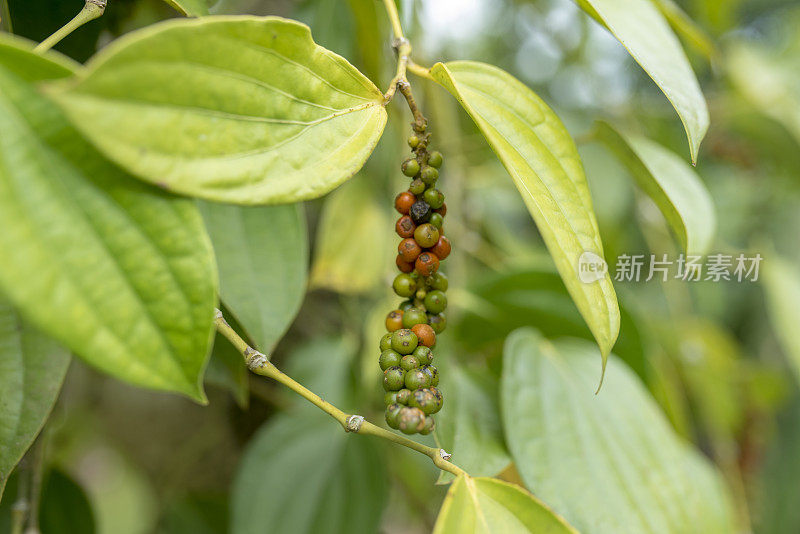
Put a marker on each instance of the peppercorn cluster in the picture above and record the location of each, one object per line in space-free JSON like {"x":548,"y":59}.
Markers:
{"x":409,"y":377}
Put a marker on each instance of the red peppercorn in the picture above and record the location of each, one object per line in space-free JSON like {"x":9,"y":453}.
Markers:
{"x":403,"y":265}
{"x":405,"y":226}
{"x":442,"y":211}
{"x":425,"y":334}
{"x":441,"y":248}
{"x":427,"y":263}
{"x":404,"y":201}
{"x":409,"y":249}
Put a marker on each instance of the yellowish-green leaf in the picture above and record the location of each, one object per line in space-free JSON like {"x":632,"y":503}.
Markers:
{"x":541,"y":157}
{"x":644,"y":32}
{"x":782,"y":287}
{"x":245,"y":110}
{"x":488,"y":506}
{"x":120,"y":273}
{"x":262,"y":254}
{"x":32,"y":368}
{"x":671,"y":183}
{"x":608,"y":462}
{"x":349,"y":227}
{"x":769,"y":80}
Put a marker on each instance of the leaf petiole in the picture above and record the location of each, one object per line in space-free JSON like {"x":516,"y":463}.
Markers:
{"x":92,"y":9}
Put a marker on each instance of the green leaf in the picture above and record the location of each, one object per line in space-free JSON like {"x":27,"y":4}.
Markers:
{"x":642,"y":30}
{"x":487,"y":505}
{"x":470,"y":426}
{"x":271,"y":116}
{"x":262,"y":255}
{"x":65,"y":507}
{"x":196,"y":513}
{"x":607,"y":462}
{"x":781,"y":282}
{"x":191,"y":8}
{"x":542,"y":159}
{"x":226,"y":367}
{"x":32,"y":368}
{"x":341,"y":262}
{"x":125,"y":276}
{"x":691,"y":32}
{"x":303,"y":474}
{"x":671,"y":183}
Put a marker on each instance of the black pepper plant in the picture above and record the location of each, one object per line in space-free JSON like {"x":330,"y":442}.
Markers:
{"x":152,"y":226}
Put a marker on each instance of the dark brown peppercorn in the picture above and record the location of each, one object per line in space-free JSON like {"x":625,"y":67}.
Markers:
{"x":420,"y":211}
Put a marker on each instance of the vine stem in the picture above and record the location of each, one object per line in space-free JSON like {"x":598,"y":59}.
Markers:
{"x":259,"y":364}
{"x":92,"y":9}
{"x":400,"y":83}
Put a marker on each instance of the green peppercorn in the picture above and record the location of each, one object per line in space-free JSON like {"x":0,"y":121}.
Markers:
{"x":426,"y":235}
{"x":439,"y":398}
{"x":425,"y":400}
{"x":433,"y":374}
{"x":404,"y":285}
{"x":409,"y":362}
{"x":434,"y":197}
{"x":406,"y":305}
{"x":435,"y":159}
{"x":394,"y":377}
{"x":411,"y":420}
{"x":417,"y":187}
{"x":417,"y":378}
{"x":389,"y":358}
{"x":404,"y":341}
{"x":403,"y":396}
{"x":438,"y":322}
{"x":429,"y":175}
{"x":390,"y":398}
{"x":437,"y":220}
{"x":439,"y":281}
{"x":413,"y":142}
{"x":428,"y":427}
{"x":420,"y":294}
{"x":392,"y":413}
{"x":423,"y":354}
{"x":435,"y":302}
{"x":386,"y":341}
{"x":410,"y":167}
{"x":414,"y":316}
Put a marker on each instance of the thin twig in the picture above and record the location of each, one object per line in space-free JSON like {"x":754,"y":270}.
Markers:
{"x":259,"y":364}
{"x":91,"y":10}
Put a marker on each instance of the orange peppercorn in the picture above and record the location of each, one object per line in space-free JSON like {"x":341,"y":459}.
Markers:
{"x":425,"y":334}
{"x":427,"y":263}
{"x":441,"y":248}
{"x":404,"y":201}
{"x":394,"y":321}
{"x":409,"y":249}
{"x":403,"y":265}
{"x":442,"y":211}
{"x":405,"y":226}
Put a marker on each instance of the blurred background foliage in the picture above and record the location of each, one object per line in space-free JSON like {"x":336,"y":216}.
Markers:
{"x":721,"y":359}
